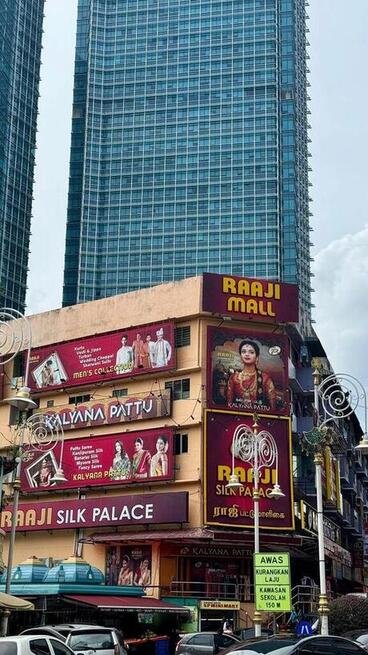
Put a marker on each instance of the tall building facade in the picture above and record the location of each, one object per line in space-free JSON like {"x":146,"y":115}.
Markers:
{"x":189,"y":145}
{"x":20,"y":57}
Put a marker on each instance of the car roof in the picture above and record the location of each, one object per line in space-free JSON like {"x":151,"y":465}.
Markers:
{"x":79,"y":626}
{"x":26,"y":637}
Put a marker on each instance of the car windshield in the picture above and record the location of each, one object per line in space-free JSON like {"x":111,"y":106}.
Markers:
{"x":8,"y":648}
{"x":94,"y":640}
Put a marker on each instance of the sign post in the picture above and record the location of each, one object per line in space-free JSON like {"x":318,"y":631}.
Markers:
{"x":272,"y":582}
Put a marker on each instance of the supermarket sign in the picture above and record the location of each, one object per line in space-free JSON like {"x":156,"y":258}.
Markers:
{"x":272,"y":582}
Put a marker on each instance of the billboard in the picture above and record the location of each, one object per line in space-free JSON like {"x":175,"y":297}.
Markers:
{"x":99,"y":512}
{"x":129,"y":565}
{"x":247,"y":370}
{"x":122,"y":458}
{"x":234,"y":507}
{"x":141,"y":406}
{"x":113,"y":356}
{"x":265,"y":301}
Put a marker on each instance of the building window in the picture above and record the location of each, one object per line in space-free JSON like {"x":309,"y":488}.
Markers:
{"x":180,"y":389}
{"x":181,"y":444}
{"x":50,"y":403}
{"x":118,"y":393}
{"x":182,"y":336}
{"x":77,"y":400}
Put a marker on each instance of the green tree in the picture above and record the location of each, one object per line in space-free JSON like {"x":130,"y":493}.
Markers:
{"x":348,"y":613}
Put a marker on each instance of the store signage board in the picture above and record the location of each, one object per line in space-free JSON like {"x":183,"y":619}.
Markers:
{"x":100,"y":512}
{"x":220,"y":605}
{"x":272,"y":582}
{"x":250,"y":298}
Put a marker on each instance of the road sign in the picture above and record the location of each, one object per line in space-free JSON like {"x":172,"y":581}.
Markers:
{"x":272,"y":582}
{"x":304,"y":629}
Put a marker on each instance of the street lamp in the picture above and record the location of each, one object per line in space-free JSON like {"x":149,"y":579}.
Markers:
{"x":339,"y":396}
{"x":259,"y":449}
{"x":34,"y":432}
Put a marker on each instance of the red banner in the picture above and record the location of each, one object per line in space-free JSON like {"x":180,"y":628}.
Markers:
{"x":122,"y":410}
{"x":100,"y":512}
{"x":250,"y":298}
{"x":247,"y":370}
{"x":112,"y":356}
{"x":234,"y":507}
{"x":129,"y":457}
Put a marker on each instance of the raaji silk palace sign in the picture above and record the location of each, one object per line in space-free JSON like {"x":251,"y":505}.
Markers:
{"x":263,"y":300}
{"x":99,"y":512}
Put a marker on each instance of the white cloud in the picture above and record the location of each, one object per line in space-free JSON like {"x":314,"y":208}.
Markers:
{"x":341,"y":312}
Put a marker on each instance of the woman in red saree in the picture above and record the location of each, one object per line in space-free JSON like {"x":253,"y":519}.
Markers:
{"x":141,"y":460}
{"x":251,"y":388}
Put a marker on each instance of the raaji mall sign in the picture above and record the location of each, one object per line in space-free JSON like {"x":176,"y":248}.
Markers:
{"x":250,"y":298}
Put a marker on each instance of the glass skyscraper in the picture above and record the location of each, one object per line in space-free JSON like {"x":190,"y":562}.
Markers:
{"x":20,"y":57}
{"x":189,"y":144}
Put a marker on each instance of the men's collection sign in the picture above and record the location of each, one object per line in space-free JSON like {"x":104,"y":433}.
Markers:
{"x":250,"y":298}
{"x":113,"y":356}
{"x":99,"y":512}
{"x":234,"y":507}
{"x":272,"y":582}
{"x":118,"y":459}
{"x":124,"y":410}
{"x":247,"y":370}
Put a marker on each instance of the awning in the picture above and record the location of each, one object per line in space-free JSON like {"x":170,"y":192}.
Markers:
{"x":127,"y":603}
{"x":9,"y":602}
{"x":174,"y":535}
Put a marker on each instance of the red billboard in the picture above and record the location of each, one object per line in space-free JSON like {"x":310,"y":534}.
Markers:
{"x":125,"y":458}
{"x":250,"y":298}
{"x":119,"y":410}
{"x":228,"y":432}
{"x":112,"y":356}
{"x":247,"y":370}
{"x":99,"y":512}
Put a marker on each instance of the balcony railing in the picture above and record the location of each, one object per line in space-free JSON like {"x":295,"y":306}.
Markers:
{"x":216,"y":590}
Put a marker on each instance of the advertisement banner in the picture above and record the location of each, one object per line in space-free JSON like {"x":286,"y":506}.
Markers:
{"x":129,"y":565}
{"x":99,"y":512}
{"x":247,"y":370}
{"x":228,"y":431}
{"x":148,"y":405}
{"x":250,"y":298}
{"x":112,"y":356}
{"x":145,"y":456}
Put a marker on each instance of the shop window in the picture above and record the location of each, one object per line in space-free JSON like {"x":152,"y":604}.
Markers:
{"x":180,"y":389}
{"x":182,"y":336}
{"x":77,"y":400}
{"x":181,"y":444}
{"x":119,"y":393}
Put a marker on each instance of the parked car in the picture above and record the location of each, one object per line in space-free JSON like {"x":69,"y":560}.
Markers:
{"x":41,"y":644}
{"x":209,"y":643}
{"x":361,"y":636}
{"x":315,"y":645}
{"x":84,"y":638}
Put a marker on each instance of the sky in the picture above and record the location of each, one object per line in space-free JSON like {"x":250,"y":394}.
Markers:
{"x":339,"y":143}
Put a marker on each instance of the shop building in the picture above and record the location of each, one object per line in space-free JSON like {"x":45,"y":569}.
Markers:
{"x":130,"y":513}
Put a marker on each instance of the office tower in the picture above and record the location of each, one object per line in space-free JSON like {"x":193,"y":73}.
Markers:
{"x":189,"y":144}
{"x":20,"y":56}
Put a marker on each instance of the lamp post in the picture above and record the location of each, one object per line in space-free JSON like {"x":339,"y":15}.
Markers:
{"x":34,"y":432}
{"x":259,"y":449}
{"x":338,"y":396}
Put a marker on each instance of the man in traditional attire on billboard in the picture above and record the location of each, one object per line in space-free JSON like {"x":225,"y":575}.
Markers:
{"x":124,"y":357}
{"x":162,"y":351}
{"x":251,"y":386}
{"x":149,"y":352}
{"x":138,"y":351}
